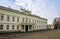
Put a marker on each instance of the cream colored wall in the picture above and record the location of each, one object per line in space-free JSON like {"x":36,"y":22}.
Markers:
{"x":50,"y":26}
{"x":41,"y":25}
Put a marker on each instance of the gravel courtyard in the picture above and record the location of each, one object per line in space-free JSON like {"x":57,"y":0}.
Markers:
{"x":51,"y":34}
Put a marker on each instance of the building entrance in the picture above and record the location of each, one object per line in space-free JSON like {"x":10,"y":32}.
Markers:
{"x":26,"y":28}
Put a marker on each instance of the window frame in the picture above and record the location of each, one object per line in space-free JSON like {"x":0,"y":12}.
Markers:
{"x":13,"y":27}
{"x":1,"y":27}
{"x":8,"y":18}
{"x":2,"y":17}
{"x":7,"y":27}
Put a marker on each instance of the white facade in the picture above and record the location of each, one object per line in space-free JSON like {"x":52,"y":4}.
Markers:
{"x":50,"y":26}
{"x":13,"y":20}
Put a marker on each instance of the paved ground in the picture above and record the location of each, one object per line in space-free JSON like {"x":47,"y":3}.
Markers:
{"x":52,"y":34}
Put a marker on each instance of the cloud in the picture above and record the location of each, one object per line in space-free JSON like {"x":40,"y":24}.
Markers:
{"x":24,"y":3}
{"x":8,"y":3}
{"x":45,"y":8}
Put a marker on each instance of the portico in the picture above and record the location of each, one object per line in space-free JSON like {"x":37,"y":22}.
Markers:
{"x":27,"y":27}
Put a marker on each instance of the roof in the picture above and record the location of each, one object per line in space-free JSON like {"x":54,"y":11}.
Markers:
{"x":17,"y":11}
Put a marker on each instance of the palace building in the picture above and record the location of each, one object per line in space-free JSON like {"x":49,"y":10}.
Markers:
{"x":20,"y":20}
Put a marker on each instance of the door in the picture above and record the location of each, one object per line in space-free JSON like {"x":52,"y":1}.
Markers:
{"x":26,"y":28}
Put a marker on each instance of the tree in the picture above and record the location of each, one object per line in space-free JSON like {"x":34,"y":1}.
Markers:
{"x":56,"y":23}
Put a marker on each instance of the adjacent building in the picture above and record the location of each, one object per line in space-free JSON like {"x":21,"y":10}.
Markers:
{"x":16,"y":20}
{"x":50,"y":26}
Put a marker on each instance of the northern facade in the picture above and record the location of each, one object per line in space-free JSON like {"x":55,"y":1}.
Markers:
{"x":13,"y":20}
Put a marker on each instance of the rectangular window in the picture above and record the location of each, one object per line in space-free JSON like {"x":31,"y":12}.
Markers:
{"x":29,"y":20}
{"x":2,"y":17}
{"x":35,"y":21}
{"x":7,"y":27}
{"x":30,"y":26}
{"x":13,"y":19}
{"x":17,"y":26}
{"x":7,"y":18}
{"x":17,"y":19}
{"x":26,"y":19}
{"x":13,"y":27}
{"x":23,"y":19}
{"x":23,"y":27}
{"x":1,"y":27}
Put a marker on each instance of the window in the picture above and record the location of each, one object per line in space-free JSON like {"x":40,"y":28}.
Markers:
{"x":13,"y":27}
{"x":2,"y":17}
{"x":26,"y":19}
{"x":7,"y":18}
{"x":1,"y":27}
{"x":23,"y":19}
{"x":30,"y":26}
{"x":13,"y":19}
{"x":37,"y":21}
{"x":7,"y":27}
{"x":34,"y":27}
{"x":29,"y":20}
{"x":17,"y":19}
{"x":37,"y":26}
{"x":33,"y":20}
{"x":17,"y":26}
{"x":23,"y":27}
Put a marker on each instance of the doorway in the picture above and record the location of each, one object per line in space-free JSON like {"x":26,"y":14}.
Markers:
{"x":26,"y":28}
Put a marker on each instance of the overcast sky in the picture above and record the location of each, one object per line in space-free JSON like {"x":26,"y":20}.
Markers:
{"x":49,"y":9}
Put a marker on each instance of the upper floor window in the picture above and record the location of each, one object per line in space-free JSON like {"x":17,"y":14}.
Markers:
{"x":23,"y":19}
{"x":29,"y":20}
{"x":26,"y":19}
{"x":17,"y":19}
{"x":13,"y":19}
{"x":7,"y":18}
{"x":2,"y":17}
{"x":1,"y":27}
{"x":33,"y":20}
{"x":7,"y":26}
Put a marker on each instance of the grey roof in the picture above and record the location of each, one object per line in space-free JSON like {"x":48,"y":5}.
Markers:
{"x":17,"y":11}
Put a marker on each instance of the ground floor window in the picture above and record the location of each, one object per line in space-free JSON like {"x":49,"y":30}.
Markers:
{"x":7,"y":27}
{"x":1,"y":27}
{"x":17,"y":26}
{"x":23,"y":27}
{"x":30,"y":26}
{"x":13,"y":27}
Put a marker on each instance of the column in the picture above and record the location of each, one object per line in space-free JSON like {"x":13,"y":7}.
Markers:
{"x":24,"y":29}
{"x":32,"y":28}
{"x":28,"y":28}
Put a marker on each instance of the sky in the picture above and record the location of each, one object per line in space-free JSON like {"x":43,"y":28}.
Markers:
{"x":49,"y":9}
